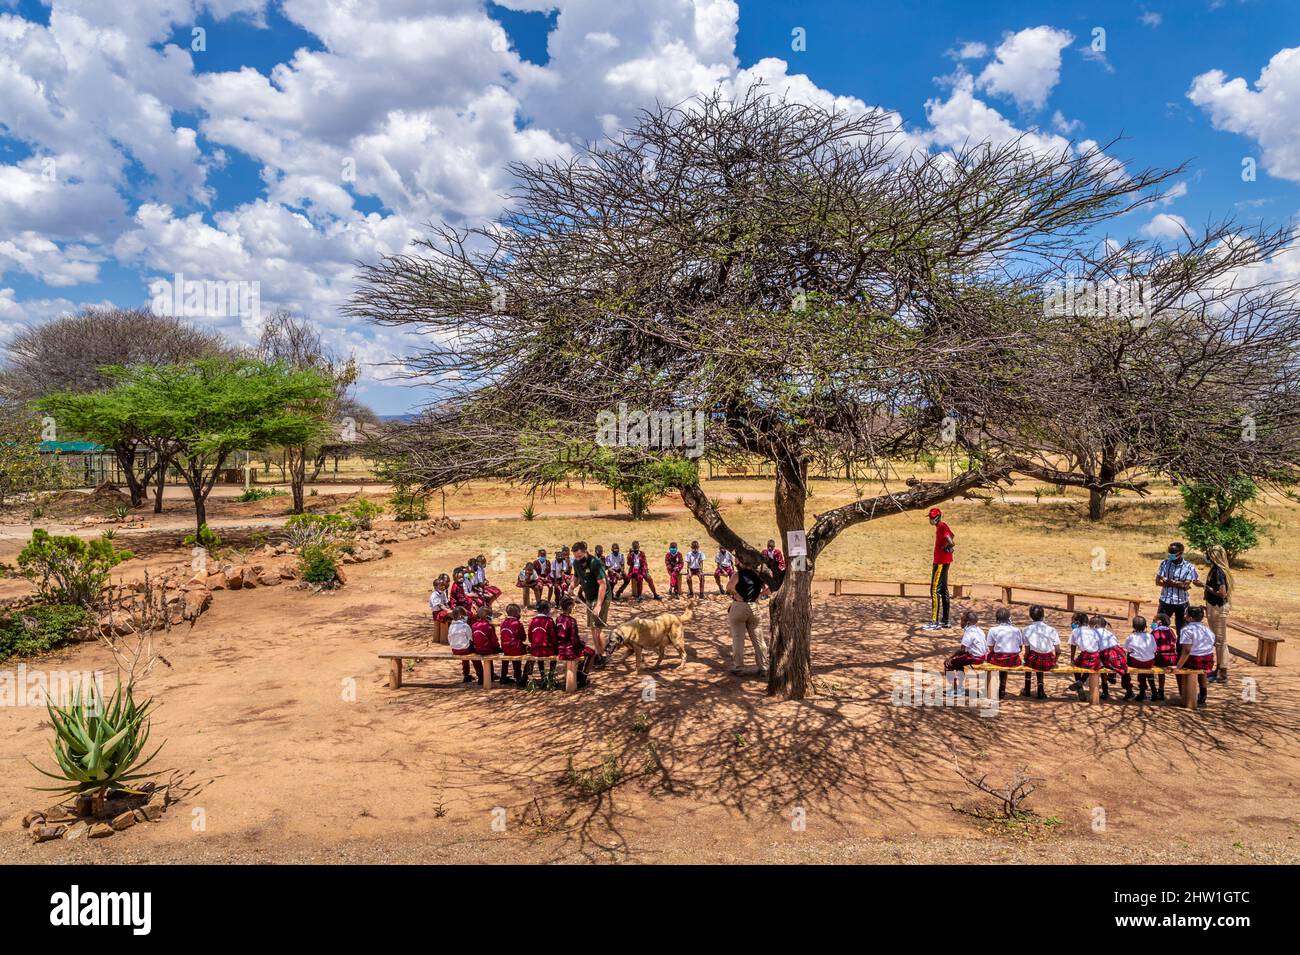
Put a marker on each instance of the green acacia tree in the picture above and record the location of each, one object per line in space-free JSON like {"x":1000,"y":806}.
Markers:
{"x":204,"y":411}
{"x":1214,"y":515}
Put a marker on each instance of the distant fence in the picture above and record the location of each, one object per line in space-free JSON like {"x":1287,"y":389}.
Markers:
{"x":1105,"y":605}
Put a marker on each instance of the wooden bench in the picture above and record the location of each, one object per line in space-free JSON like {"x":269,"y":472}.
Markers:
{"x":1265,"y":643}
{"x":395,"y":658}
{"x":1188,"y":688}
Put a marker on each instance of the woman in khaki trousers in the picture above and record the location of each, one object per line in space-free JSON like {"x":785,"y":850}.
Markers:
{"x":1218,"y":604}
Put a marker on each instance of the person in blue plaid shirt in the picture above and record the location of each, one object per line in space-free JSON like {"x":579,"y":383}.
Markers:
{"x":1176,"y":578}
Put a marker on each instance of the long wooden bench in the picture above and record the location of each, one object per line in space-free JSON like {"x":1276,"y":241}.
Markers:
{"x":1188,"y":685}
{"x":395,"y":658}
{"x":1265,"y":643}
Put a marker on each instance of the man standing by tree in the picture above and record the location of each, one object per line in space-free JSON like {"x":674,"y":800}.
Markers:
{"x":943,"y":543}
{"x":1176,"y":577}
{"x":589,"y":576}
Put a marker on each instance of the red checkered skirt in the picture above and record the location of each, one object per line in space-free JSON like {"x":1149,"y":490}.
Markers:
{"x":962,"y":659}
{"x":1200,"y":662}
{"x":1004,"y":659}
{"x":1115,"y":658}
{"x":1134,"y":664}
{"x":1037,"y":660}
{"x":1087,"y":660}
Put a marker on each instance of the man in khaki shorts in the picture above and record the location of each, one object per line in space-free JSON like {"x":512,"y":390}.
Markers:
{"x":744,"y":588}
{"x":593,"y":586}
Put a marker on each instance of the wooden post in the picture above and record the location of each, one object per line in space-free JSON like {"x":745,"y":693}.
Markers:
{"x":839,"y":587}
{"x":488,"y":664}
{"x":1069,"y":602}
{"x":1134,"y":608}
{"x":1189,"y":685}
{"x":395,"y":673}
{"x":902,"y":588}
{"x":570,"y":676}
{"x":1094,"y":687}
{"x":1006,"y":595}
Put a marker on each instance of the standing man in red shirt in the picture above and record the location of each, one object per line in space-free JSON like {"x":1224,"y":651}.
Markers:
{"x":943,"y":541}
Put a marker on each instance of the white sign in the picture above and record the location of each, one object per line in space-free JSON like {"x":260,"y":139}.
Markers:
{"x":796,"y":544}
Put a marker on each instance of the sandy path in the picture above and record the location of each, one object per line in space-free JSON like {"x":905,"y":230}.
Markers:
{"x":275,"y":706}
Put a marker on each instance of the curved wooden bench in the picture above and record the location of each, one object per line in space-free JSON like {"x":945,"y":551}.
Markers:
{"x":395,"y":658}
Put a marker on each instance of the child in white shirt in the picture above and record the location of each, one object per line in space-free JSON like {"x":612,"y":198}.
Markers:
{"x":1005,"y":643}
{"x":460,"y":636}
{"x":1196,"y":649}
{"x":974,"y":646}
{"x":1041,"y":645}
{"x":1141,"y":649}
{"x":1085,"y":647}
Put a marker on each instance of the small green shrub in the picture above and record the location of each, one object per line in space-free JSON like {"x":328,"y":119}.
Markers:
{"x":259,"y":494}
{"x":69,"y":570}
{"x":318,"y":564}
{"x":206,"y":538}
{"x":41,"y":628}
{"x":407,"y":504}
{"x":304,"y":530}
{"x":363,"y":513}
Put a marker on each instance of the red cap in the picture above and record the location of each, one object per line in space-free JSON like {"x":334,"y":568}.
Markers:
{"x":935,"y":512}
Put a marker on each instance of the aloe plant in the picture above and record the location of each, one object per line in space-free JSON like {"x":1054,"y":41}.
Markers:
{"x":98,"y":745}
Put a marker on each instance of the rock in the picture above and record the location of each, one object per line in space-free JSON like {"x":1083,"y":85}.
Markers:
{"x":77,"y":830}
{"x":46,"y":833}
{"x":288,"y":572}
{"x":83,"y":805}
{"x":235,"y":578}
{"x":250,"y":580}
{"x":33,"y":818}
{"x":101,"y":830}
{"x":58,"y":814}
{"x":139,"y":815}
{"x":217,"y":581}
{"x":152,"y":811}
{"x":197,"y":582}
{"x":124,"y":820}
{"x":197,"y":601}
{"x":341,"y":577}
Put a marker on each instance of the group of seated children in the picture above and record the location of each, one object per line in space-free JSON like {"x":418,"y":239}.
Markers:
{"x":1093,"y":646}
{"x":550,"y":635}
{"x":550,"y":578}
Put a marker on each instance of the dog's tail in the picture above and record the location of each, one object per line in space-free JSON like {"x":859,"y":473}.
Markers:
{"x":687,"y":614}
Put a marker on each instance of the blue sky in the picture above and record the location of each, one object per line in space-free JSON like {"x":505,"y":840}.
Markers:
{"x":299,"y":138}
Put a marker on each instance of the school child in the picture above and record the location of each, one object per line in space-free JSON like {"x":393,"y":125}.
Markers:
{"x":440,"y":607}
{"x":542,"y":570}
{"x":613,"y":568}
{"x":1005,"y":642}
{"x":461,"y":595}
{"x":1113,"y":656}
{"x":1196,"y":649}
{"x":461,"y":639}
{"x":773,"y":553}
{"x":638,"y":573}
{"x":513,"y":643}
{"x":1041,"y":645}
{"x":974,"y":646}
{"x":566,"y":577}
{"x":724,"y":565}
{"x":481,"y":585}
{"x":570,"y":645}
{"x":542,"y":641}
{"x":529,"y":584}
{"x":674,"y":561}
{"x":1085,"y":649}
{"x":1166,"y":650}
{"x":484,"y":637}
{"x":1140,"y":647}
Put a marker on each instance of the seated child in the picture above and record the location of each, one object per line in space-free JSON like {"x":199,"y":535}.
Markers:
{"x":1041,"y":645}
{"x":462,"y":595}
{"x":485,"y":634}
{"x":1005,"y":642}
{"x":480,"y":580}
{"x":1113,"y":656}
{"x":1166,"y":650}
{"x":1141,"y":649}
{"x":570,"y":645}
{"x":543,"y":640}
{"x":674,"y":561}
{"x":974,"y":646}
{"x":512,"y":643}
{"x":1085,"y":648}
{"x":440,"y":606}
{"x":1196,"y":649}
{"x":461,"y":639}
{"x":529,"y":583}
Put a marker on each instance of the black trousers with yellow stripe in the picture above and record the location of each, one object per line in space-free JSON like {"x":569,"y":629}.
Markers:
{"x":939,"y":594}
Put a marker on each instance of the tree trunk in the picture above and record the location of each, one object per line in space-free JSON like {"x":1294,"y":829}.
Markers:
{"x":297,"y":476}
{"x":126,"y":454}
{"x":1097,"y":496}
{"x":160,"y":485}
{"x":789,"y":673}
{"x":200,"y":511}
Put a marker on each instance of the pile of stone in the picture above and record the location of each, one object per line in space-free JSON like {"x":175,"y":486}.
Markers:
{"x":75,"y":820}
{"x":114,"y":519}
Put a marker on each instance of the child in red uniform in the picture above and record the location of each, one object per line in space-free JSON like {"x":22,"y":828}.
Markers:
{"x":484,"y":636}
{"x":461,"y":595}
{"x":570,"y":646}
{"x":512,"y":643}
{"x":674,"y":561}
{"x":543,"y":640}
{"x":542,"y":571}
{"x":1113,"y":656}
{"x":481,"y":585}
{"x":638,"y":572}
{"x":440,"y":606}
{"x":1166,"y":651}
{"x":1196,"y":649}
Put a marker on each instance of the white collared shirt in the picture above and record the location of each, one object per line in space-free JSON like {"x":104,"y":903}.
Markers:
{"x":974,"y":641}
{"x":1086,"y":639}
{"x":459,"y":635}
{"x":1199,"y":637}
{"x":1041,"y":638}
{"x":695,"y":559}
{"x":438,"y":600}
{"x":1141,"y":646}
{"x":1005,"y":638}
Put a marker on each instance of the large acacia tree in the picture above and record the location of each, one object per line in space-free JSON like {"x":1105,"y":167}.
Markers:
{"x":824,"y":295}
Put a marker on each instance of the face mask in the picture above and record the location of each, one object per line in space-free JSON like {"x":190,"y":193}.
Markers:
{"x":673,"y":549}
{"x":1175,"y":557}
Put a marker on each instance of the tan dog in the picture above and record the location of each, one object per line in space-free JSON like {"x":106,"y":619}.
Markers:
{"x":654,"y":633}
